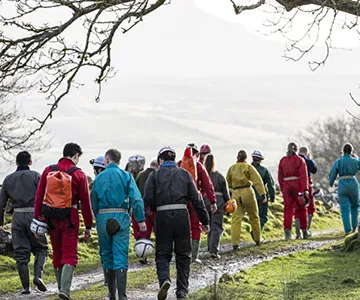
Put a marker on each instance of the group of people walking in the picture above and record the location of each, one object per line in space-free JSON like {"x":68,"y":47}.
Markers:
{"x":177,"y":200}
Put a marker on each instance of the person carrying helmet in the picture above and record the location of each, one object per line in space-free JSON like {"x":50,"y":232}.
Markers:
{"x":113,"y":194}
{"x":149,"y":215}
{"x":167,"y":192}
{"x":20,"y":187}
{"x":268,"y":181}
{"x":312,"y":169}
{"x":294,"y":185}
{"x":204,"y":150}
{"x":204,"y":185}
{"x":348,"y":188}
{"x":64,"y":223}
{"x":222,"y":196}
{"x":241,"y":177}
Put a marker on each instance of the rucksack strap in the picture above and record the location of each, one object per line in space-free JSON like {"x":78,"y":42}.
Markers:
{"x":72,"y":169}
{"x":54,"y":168}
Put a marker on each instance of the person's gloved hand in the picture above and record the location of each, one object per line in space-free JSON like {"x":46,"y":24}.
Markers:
{"x":142,"y":226}
{"x":206,"y":229}
{"x":213,"y":208}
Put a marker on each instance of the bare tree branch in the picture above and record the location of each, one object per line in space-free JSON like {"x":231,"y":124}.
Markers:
{"x":240,"y":8}
{"x":47,"y":54}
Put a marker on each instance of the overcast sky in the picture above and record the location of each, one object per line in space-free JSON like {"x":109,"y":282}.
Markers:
{"x":194,"y":72}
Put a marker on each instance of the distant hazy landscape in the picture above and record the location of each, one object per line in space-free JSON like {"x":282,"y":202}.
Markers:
{"x":139,"y":115}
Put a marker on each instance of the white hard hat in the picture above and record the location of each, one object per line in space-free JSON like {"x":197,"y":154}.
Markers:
{"x":143,"y":248}
{"x":98,"y":162}
{"x":166,"y":149}
{"x":38,"y":228}
{"x":257,"y":154}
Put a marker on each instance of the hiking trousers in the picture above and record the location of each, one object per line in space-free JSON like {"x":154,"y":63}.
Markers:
{"x":348,"y":193}
{"x":196,"y":226}
{"x":263,"y":213}
{"x":23,"y":240}
{"x":291,"y":202}
{"x":246,"y":202}
{"x":114,"y":249}
{"x":64,"y":240}
{"x":311,"y":207}
{"x":216,"y":224}
{"x":173,"y":233}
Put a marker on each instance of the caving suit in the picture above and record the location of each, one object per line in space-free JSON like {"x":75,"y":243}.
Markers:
{"x":270,"y":193}
{"x":348,"y":189}
{"x":167,"y":192}
{"x":293,"y":179}
{"x":20,"y":187}
{"x":114,"y":192}
{"x":241,"y":177}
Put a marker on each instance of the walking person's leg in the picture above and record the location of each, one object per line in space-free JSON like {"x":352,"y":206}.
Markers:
{"x":250,"y":205}
{"x":22,"y":250}
{"x":182,"y":251}
{"x":163,"y":250}
{"x":236,"y":221}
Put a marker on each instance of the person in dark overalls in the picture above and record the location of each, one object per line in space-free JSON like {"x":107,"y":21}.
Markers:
{"x":20,"y":187}
{"x":167,"y":192}
{"x":222,"y":196}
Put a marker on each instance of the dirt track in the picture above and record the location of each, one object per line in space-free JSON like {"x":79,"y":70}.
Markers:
{"x":204,"y":274}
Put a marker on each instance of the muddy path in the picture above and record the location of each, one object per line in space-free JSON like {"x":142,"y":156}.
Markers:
{"x":212,"y":270}
{"x":201,"y":275}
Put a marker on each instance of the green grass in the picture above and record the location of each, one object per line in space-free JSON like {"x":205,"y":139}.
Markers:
{"x":326,"y":273}
{"x":89,"y":256}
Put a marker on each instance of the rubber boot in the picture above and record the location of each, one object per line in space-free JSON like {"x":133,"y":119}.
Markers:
{"x":305,"y":234}
{"x":39,"y":263}
{"x":58,"y":272}
{"x":24,"y":275}
{"x":310,"y":217}
{"x":121,"y":278}
{"x":66,"y":278}
{"x":111,"y":283}
{"x":287,"y":234}
{"x":105,"y":277}
{"x":297,"y":229}
{"x":195,"y":247}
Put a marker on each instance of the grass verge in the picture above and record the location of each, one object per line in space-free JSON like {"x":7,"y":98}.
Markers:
{"x":326,"y":273}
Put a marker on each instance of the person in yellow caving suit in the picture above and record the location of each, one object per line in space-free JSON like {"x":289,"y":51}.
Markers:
{"x":241,"y":176}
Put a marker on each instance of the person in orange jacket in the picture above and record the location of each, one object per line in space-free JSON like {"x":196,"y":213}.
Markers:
{"x":205,"y":187}
{"x":294,"y":185}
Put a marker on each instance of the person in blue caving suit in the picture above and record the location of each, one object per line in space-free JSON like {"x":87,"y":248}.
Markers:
{"x":114,"y":192}
{"x":348,"y":188}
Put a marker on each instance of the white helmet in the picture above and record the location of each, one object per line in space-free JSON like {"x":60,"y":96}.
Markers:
{"x":38,"y":228}
{"x":166,"y":149}
{"x":143,"y":248}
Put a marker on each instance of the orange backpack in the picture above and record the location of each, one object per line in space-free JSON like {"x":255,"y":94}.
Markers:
{"x":57,"y":200}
